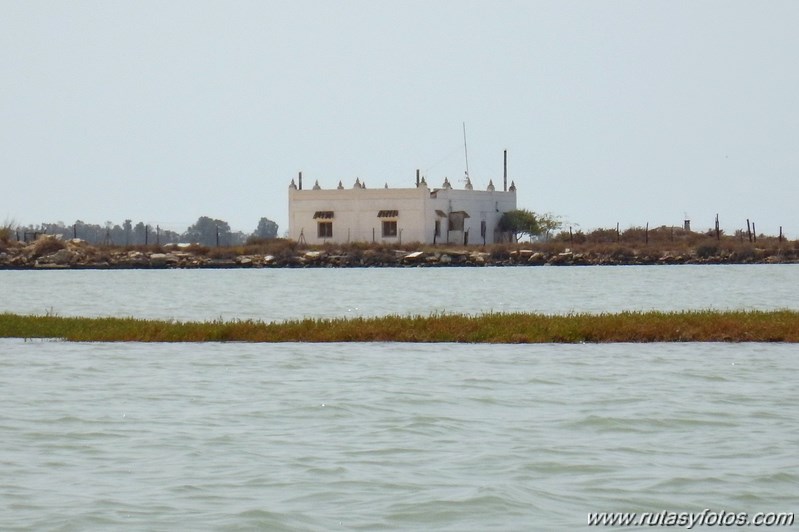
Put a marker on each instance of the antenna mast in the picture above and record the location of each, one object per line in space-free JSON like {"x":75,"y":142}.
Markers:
{"x":465,"y":150}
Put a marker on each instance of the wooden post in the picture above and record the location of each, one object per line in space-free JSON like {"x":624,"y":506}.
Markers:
{"x":74,"y":230}
{"x":618,"y":235}
{"x":780,"y":233}
{"x":571,"y":236}
{"x":646,"y":234}
{"x":754,"y":232}
{"x":718,"y":232}
{"x":748,"y":230}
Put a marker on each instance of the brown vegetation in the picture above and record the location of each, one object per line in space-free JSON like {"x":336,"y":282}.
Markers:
{"x":702,"y":326}
{"x":46,"y":245}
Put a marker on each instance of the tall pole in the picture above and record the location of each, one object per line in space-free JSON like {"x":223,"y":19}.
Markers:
{"x":465,"y":150}
{"x":505,"y":172}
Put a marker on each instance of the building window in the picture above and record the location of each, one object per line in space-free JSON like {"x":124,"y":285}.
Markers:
{"x":324,"y":229}
{"x":389,"y":229}
{"x":389,"y":226}
{"x":456,"y":219}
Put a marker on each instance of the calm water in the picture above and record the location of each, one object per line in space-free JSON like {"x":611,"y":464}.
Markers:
{"x":286,"y":293}
{"x":391,"y":436}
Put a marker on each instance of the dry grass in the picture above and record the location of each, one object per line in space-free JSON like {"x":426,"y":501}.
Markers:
{"x":47,"y":244}
{"x":7,"y":232}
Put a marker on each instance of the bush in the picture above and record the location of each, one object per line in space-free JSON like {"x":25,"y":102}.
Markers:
{"x":743,"y":252}
{"x":705,"y":251}
{"x":602,"y":236}
{"x":5,"y":235}
{"x":622,"y":253}
{"x":47,"y":244}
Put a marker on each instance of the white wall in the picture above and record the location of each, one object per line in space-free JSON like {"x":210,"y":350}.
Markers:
{"x":355,"y":213}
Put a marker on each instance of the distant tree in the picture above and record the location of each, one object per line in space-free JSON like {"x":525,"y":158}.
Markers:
{"x":266,"y":229}
{"x":238,"y":238}
{"x":139,"y":234}
{"x":208,"y":232}
{"x":520,"y":222}
{"x":57,"y":228}
{"x":128,"y":228}
{"x":167,"y":237}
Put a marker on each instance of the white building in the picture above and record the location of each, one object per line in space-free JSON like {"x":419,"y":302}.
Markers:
{"x":386,"y":215}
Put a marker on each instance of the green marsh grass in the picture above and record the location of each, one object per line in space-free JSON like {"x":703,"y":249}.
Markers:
{"x":690,"y":326}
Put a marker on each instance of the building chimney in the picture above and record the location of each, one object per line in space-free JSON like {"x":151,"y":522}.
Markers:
{"x":505,"y":172}
{"x":300,"y":181}
{"x":417,"y":178}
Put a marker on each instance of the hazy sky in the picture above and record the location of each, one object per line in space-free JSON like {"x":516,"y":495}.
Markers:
{"x":611,"y":111}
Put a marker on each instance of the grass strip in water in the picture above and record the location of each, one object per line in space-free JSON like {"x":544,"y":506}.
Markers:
{"x":688,"y":326}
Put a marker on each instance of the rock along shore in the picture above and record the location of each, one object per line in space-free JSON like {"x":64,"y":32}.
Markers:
{"x":49,"y":253}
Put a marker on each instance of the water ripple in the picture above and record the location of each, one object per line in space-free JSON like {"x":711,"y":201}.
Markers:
{"x":389,"y":436}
